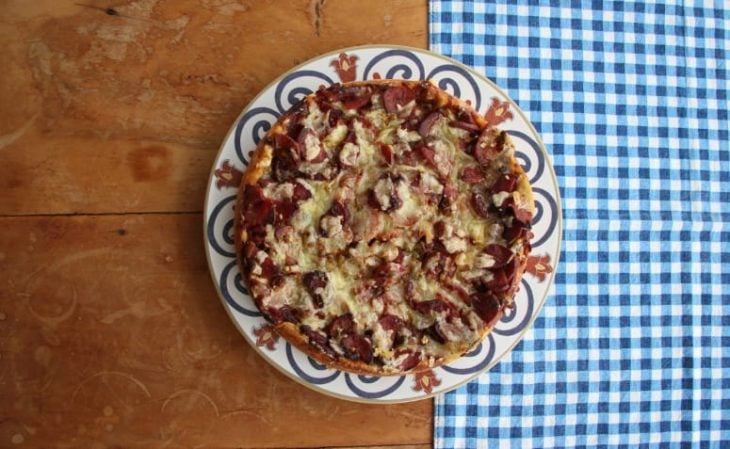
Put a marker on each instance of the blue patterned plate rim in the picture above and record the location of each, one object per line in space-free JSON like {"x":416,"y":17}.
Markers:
{"x":557,"y":230}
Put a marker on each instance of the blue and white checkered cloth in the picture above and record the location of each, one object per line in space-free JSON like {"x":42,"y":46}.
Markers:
{"x":633,"y":349}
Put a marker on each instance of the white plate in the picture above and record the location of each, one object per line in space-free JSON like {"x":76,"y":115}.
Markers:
{"x":360,"y":63}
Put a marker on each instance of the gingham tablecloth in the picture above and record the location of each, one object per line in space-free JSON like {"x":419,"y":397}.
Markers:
{"x":633,"y":348}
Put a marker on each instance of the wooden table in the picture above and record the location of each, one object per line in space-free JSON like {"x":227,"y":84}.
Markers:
{"x":111,"y":333}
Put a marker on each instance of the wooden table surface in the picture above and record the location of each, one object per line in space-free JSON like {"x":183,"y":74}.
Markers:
{"x":111,"y":333}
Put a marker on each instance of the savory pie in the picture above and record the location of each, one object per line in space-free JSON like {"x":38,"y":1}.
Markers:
{"x":383,"y":226}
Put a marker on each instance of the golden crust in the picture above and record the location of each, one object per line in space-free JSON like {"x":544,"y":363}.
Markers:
{"x":260,"y":163}
{"x":523,"y":185}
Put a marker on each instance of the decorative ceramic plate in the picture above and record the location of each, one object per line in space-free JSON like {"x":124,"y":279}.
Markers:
{"x":362,"y":63}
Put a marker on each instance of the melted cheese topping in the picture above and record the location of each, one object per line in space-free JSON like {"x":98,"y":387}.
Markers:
{"x":353,"y":251}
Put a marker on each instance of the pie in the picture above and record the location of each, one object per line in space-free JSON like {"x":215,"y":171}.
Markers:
{"x":382,"y":227}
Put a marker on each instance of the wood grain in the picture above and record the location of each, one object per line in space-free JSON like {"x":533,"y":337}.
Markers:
{"x":400,"y":446}
{"x":120,"y":106}
{"x":112,"y":333}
